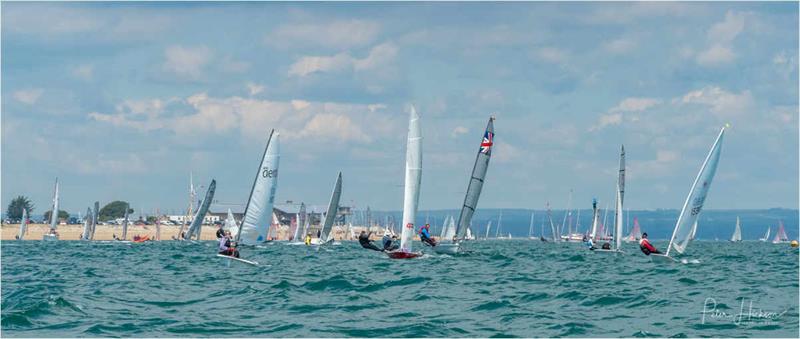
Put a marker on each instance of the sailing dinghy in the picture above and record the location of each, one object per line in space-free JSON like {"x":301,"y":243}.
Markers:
{"x":617,"y":246}
{"x":23,"y":225}
{"x":411,"y":194}
{"x":87,"y":225}
{"x":453,"y":246}
{"x":325,"y":236}
{"x":197,"y":221}
{"x":766,"y":235}
{"x":780,"y":236}
{"x":52,"y":236}
{"x":258,"y":211}
{"x":682,"y":234}
{"x":737,"y":233}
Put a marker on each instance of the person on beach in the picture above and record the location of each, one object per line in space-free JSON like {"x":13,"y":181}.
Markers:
{"x":645,"y":245}
{"x":363,"y":239}
{"x":226,"y":247}
{"x":220,"y":232}
{"x":425,"y":235}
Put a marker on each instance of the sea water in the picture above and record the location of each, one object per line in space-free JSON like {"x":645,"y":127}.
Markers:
{"x":519,"y":288}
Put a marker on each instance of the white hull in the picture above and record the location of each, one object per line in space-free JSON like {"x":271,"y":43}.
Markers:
{"x":254,"y":263}
{"x":50,"y":237}
{"x":602,"y":251}
{"x":662,"y":259}
{"x":447,"y":248}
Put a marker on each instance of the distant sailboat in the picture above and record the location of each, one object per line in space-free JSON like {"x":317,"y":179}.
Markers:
{"x":411,"y":191}
{"x":258,"y":211}
{"x":325,"y":236}
{"x":95,"y":219}
{"x":197,"y":221}
{"x":766,"y":235}
{"x":469,"y":235}
{"x":636,"y":232}
{"x":488,"y":227}
{"x":530,"y":228}
{"x":553,"y":231}
{"x":53,"y":217}
{"x":682,"y":234}
{"x":473,"y":194}
{"x":617,"y":245}
{"x":23,"y":225}
{"x":87,"y":225}
{"x":737,"y":233}
{"x":780,"y":236}
{"x":125,"y":223}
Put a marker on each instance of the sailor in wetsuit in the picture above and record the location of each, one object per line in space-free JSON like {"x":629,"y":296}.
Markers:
{"x":226,"y":247}
{"x":363,"y":239}
{"x":220,"y":232}
{"x":646,"y":247}
{"x":390,"y":244}
{"x":425,"y":235}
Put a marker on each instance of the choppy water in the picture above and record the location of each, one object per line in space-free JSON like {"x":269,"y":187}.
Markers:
{"x":505,"y":288}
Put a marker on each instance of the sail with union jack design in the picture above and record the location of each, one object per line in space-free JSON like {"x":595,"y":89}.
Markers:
{"x":476,"y":180}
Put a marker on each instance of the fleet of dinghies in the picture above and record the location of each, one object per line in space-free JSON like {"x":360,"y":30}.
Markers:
{"x":254,"y":228}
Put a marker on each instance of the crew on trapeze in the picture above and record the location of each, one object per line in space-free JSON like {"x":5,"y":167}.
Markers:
{"x":646,"y":247}
{"x":425,"y":235}
{"x":363,"y":239}
{"x":390,"y":243}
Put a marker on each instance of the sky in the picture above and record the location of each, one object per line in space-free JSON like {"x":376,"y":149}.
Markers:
{"x":121,"y":101}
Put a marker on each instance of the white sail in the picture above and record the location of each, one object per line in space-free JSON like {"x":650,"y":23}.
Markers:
{"x":766,"y":235}
{"x":444,"y":227}
{"x":87,"y":225}
{"x":530,"y":228}
{"x":681,"y":236}
{"x":230,"y":223}
{"x":593,"y":234}
{"x":413,"y":180}
{"x":469,"y":234}
{"x":200,"y":215}
{"x":450,"y":229}
{"x":618,"y":220}
{"x":54,"y":211}
{"x":333,"y":208}
{"x":488,"y":227}
{"x":95,"y":219}
{"x":258,"y":211}
{"x":499,"y":225}
{"x":737,"y":233}
{"x":23,"y":224}
{"x":125,"y":223}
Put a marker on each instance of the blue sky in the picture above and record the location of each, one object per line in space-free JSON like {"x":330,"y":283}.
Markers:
{"x":123,"y":100}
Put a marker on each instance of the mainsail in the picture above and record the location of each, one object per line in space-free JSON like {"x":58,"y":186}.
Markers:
{"x":87,"y":225}
{"x":476,"y":180}
{"x":636,"y":232}
{"x":197,"y":221}
{"x":593,"y":234}
{"x":682,"y":234}
{"x":54,"y":211}
{"x":23,"y":224}
{"x":552,"y":226}
{"x":618,"y":221}
{"x":766,"y":235}
{"x":258,"y":211}
{"x":530,"y":228}
{"x":737,"y":233}
{"x":125,"y":223}
{"x":95,"y":218}
{"x":333,"y":208}
{"x":413,"y":180}
{"x":780,"y":236}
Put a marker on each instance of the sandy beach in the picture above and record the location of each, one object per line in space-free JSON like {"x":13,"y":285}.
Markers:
{"x":107,"y":232}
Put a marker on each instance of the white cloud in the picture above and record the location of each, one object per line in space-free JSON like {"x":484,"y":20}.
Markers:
{"x":312,"y":121}
{"x":187,"y":62}
{"x":84,"y":72}
{"x":28,"y":96}
{"x":720,"y":39}
{"x":552,"y":55}
{"x":337,"y":34}
{"x":254,"y":88}
{"x":615,"y":115}
{"x":722,"y":103}
{"x":379,"y":56}
{"x":635,"y":104}
{"x":606,"y":120}
{"x":619,"y":46}
{"x":716,"y":55}
{"x":459,"y":130}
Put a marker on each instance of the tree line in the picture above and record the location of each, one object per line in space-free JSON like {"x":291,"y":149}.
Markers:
{"x":113,"y":210}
